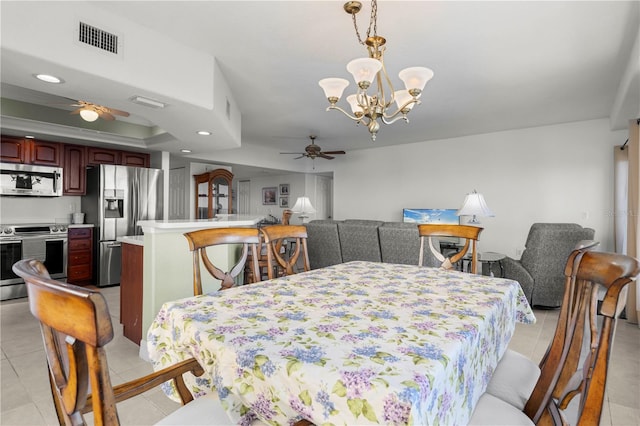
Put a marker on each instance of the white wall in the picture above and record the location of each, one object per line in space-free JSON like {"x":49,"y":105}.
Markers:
{"x":560,"y":173}
{"x":296,"y":183}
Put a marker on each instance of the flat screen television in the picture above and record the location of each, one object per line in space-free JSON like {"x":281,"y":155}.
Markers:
{"x":442,"y":216}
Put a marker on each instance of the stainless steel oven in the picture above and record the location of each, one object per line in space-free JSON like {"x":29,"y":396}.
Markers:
{"x":45,"y":242}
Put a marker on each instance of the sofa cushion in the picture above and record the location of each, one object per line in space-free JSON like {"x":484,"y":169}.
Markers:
{"x":400,"y":243}
{"x":359,"y":240}
{"x":323,"y":243}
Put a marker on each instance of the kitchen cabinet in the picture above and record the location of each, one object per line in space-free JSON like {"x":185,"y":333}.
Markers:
{"x":96,"y":156}
{"x":213,"y":191}
{"x":134,"y":159}
{"x":74,"y":175}
{"x":28,"y":151}
{"x":80,"y":256}
{"x":131,"y":291}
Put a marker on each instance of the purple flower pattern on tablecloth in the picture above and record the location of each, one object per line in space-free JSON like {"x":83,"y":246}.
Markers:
{"x":356,"y":343}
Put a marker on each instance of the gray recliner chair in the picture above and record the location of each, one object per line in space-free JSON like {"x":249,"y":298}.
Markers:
{"x":540,"y":270}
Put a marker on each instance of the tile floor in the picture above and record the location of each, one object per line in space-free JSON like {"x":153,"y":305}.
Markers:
{"x":25,"y":397}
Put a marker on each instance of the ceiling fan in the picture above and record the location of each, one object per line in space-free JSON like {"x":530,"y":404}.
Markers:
{"x":313,"y":151}
{"x":90,"y":111}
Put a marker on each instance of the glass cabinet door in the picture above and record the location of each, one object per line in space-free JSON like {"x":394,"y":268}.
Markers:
{"x":213,"y":191}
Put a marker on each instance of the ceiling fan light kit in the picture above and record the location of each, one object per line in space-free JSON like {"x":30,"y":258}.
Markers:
{"x":88,"y":114}
{"x":373,"y":108}
{"x":91,"y":112}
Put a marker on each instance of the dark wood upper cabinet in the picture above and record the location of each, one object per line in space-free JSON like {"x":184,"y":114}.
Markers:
{"x":13,"y":150}
{"x":135,"y":159}
{"x":74,"y":176}
{"x":45,"y":153}
{"x":28,"y":151}
{"x":96,"y":156}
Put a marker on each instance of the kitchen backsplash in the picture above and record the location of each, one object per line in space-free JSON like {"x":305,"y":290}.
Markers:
{"x":38,"y":209}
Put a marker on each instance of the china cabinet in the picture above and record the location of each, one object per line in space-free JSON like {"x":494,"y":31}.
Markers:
{"x":213,"y":193}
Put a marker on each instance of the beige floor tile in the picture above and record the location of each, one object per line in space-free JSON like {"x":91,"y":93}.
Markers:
{"x":26,"y":414}
{"x":624,"y":416}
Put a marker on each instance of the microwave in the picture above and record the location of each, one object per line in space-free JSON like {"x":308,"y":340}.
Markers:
{"x":28,"y":180}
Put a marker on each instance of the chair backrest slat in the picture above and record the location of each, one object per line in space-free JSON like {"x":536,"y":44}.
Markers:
{"x":274,"y":236}
{"x":577,"y":360}
{"x":201,"y":239}
{"x":470,"y":234}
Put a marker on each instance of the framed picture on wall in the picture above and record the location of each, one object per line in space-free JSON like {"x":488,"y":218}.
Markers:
{"x":284,"y":201}
{"x":269,"y":195}
{"x":284,"y":189}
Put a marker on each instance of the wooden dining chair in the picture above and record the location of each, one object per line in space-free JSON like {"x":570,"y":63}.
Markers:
{"x":469,"y":233}
{"x":76,"y":325}
{"x":201,"y":239}
{"x":516,"y":375}
{"x":274,"y":238}
{"x":573,"y":373}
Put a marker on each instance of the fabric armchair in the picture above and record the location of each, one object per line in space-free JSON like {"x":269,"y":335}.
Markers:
{"x":540,"y":270}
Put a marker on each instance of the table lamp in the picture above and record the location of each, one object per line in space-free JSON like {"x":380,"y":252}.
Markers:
{"x":304,"y":207}
{"x":474,"y":205}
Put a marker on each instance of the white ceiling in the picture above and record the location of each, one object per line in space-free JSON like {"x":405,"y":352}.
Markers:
{"x":498,"y":65}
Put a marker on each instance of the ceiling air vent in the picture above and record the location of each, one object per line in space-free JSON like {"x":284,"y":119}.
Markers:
{"x":98,"y":38}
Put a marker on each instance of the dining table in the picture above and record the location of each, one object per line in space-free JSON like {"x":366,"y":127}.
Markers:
{"x":353,"y":343}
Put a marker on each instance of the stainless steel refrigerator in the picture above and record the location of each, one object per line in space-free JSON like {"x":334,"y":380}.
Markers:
{"x":117,"y":198}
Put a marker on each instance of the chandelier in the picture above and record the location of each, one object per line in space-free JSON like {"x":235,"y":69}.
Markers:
{"x":371,"y":108}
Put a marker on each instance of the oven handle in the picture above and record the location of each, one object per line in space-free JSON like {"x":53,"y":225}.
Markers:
{"x":10,"y":241}
{"x":114,"y":245}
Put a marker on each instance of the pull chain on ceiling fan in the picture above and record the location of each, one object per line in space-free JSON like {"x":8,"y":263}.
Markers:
{"x":314,"y":151}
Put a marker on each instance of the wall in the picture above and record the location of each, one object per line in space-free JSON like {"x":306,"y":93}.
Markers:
{"x":38,"y":209}
{"x":296,"y":183}
{"x":560,"y":173}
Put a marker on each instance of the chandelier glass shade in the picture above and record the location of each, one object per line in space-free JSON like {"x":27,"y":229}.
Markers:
{"x":375,"y":95}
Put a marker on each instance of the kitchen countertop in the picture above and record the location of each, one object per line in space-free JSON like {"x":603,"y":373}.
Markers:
{"x":180,"y":225}
{"x":132,"y":239}
{"x":81,"y":225}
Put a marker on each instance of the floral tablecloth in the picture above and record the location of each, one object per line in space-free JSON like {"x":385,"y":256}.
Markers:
{"x":355,"y":343}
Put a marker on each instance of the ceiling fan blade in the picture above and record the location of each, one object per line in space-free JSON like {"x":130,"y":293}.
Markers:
{"x":77,"y":111}
{"x":298,"y":153}
{"x":302,"y":156}
{"x":117,"y":112}
{"x":323,"y":155}
{"x":334,"y":152}
{"x":106,"y":116}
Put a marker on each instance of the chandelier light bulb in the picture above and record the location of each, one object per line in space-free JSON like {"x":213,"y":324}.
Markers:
{"x":333,"y":88}
{"x":402,"y":97}
{"x":364,"y":70}
{"x":88,"y":114}
{"x":415,"y":78}
{"x":356,"y":109}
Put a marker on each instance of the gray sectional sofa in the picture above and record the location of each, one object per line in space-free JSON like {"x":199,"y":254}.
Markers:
{"x":337,"y":241}
{"x":540,"y":270}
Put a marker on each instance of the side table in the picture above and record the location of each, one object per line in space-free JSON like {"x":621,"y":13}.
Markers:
{"x":489,"y":258}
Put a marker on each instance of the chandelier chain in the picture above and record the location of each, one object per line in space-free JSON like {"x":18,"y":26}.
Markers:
{"x":373,"y":22}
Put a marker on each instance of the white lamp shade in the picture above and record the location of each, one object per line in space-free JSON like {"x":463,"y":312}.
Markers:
{"x":402,"y":97}
{"x":415,"y":77}
{"x":333,"y":87}
{"x":474,"y":205}
{"x":364,"y":69}
{"x":88,"y":115}
{"x":303,"y":205}
{"x":353,"y":102}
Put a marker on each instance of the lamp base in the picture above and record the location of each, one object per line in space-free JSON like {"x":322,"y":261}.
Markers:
{"x":474,"y":220}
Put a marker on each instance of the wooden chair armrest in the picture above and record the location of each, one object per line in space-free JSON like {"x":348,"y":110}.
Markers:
{"x":142,"y":384}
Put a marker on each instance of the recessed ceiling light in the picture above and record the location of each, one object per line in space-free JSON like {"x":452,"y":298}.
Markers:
{"x":204,"y":133}
{"x":185,"y":151}
{"x":29,"y":137}
{"x":49,"y":78}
